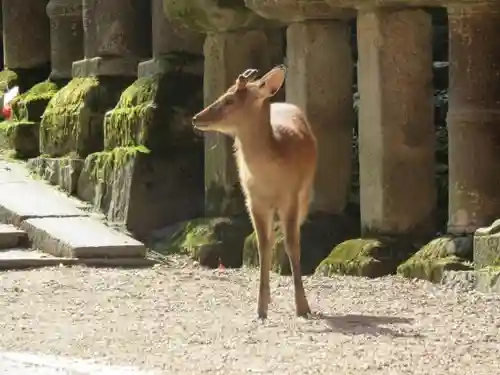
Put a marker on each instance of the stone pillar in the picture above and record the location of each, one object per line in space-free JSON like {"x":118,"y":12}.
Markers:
{"x":26,"y":37}
{"x":172,"y":41}
{"x":66,"y":36}
{"x":396,"y":129}
{"x":319,"y":80}
{"x":237,"y":39}
{"x":474,"y":111}
{"x":117,"y":36}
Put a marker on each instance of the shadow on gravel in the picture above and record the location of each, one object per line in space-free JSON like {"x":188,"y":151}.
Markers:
{"x":365,"y":325}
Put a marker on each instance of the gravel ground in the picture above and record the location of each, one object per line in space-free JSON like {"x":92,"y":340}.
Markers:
{"x":186,"y":320}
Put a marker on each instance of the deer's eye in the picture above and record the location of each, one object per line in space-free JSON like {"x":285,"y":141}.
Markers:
{"x":229,"y":101}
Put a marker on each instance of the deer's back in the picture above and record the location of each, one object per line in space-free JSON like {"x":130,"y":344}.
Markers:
{"x":285,"y":166}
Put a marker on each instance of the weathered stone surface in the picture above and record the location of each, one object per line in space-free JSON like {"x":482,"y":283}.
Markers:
{"x":439,"y":255}
{"x":26,"y":33}
{"x":319,"y":234}
{"x":211,"y":241}
{"x":462,"y":280}
{"x":143,"y":192}
{"x":289,"y":11}
{"x":488,"y":280}
{"x":173,"y":44}
{"x":11,"y":237}
{"x":66,"y":36}
{"x":80,"y":237}
{"x":21,"y":200}
{"x":63,"y":172}
{"x":396,"y":128}
{"x":473,"y":115}
{"x":365,"y":257}
{"x":312,"y":67}
{"x":226,"y":56}
{"x":487,"y":246}
{"x":214,"y":15}
{"x":117,"y":28}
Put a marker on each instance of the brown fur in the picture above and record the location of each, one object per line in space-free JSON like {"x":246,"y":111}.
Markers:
{"x":276,"y":153}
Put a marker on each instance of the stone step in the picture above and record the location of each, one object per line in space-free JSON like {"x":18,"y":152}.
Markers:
{"x":22,"y":258}
{"x":56,"y":223}
{"x":11,"y":237}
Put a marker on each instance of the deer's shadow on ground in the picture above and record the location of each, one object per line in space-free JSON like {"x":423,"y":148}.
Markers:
{"x":371,"y":325}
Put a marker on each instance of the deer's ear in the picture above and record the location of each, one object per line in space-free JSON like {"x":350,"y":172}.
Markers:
{"x":270,"y":84}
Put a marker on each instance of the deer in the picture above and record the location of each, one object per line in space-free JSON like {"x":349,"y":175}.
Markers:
{"x":276,"y":157}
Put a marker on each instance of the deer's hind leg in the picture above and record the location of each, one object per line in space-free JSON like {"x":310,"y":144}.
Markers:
{"x":291,"y":219}
{"x":262,"y":219}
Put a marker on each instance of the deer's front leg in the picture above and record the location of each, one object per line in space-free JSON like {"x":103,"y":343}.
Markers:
{"x":262,"y":220}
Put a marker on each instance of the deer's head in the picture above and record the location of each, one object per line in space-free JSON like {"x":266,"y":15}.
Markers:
{"x":242,"y":103}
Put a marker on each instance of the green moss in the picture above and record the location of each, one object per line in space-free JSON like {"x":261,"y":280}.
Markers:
{"x":127,"y":123}
{"x":369,"y":257}
{"x":31,"y":104}
{"x":8,"y":79}
{"x":432,"y":260}
{"x":103,"y":163}
{"x":208,"y":240}
{"x":59,"y":130}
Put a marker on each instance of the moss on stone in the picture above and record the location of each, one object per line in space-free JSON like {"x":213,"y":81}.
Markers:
{"x":59,"y":128}
{"x":8,"y":79}
{"x":127,"y":123}
{"x":31,"y":104}
{"x":155,"y":111}
{"x":22,"y":137}
{"x":369,"y":257}
{"x":213,"y":15}
{"x":433,"y":259}
{"x":208,"y":240}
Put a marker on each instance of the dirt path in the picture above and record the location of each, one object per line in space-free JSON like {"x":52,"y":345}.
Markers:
{"x":193,"y":321}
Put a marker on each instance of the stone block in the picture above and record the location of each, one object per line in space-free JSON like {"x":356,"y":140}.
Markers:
{"x":141,"y":191}
{"x":11,"y":237}
{"x":80,"y":237}
{"x":319,"y":234}
{"x":488,"y":280}
{"x":368,"y":257}
{"x":21,"y":136}
{"x":63,"y":172}
{"x":211,"y":241}
{"x":487,"y":246}
{"x":439,"y":255}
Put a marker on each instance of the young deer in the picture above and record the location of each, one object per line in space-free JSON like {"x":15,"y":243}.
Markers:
{"x":275,"y":150}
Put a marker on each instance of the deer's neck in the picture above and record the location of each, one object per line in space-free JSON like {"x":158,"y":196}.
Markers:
{"x":255,"y":139}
